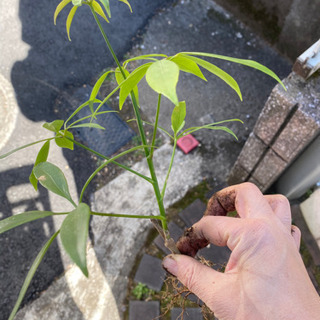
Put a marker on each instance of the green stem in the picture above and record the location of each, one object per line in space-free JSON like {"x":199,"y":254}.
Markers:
{"x":170,"y":166}
{"x":140,"y":127}
{"x":115,"y":162}
{"x":102,"y":166}
{"x":155,"y":126}
{"x":125,"y":215}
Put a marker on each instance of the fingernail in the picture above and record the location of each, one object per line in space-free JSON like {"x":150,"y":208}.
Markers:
{"x":170,"y":264}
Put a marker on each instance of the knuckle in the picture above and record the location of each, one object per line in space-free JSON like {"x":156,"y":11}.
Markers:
{"x":282,"y":200}
{"x":251,"y":187}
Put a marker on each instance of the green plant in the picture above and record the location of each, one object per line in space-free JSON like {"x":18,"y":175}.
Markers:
{"x":162,"y":75}
{"x":141,"y":291}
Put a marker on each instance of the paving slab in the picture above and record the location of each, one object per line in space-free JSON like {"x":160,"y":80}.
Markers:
{"x":193,"y":213}
{"x":139,"y":310}
{"x":175,"y":233}
{"x":188,"y":314}
{"x":150,"y":272}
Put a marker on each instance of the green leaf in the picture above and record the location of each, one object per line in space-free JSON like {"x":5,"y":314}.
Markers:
{"x":223,"y":129}
{"x":53,"y":179}
{"x":123,"y":93}
{"x":131,"y":82}
{"x":219,"y":73}
{"x":187,"y":65}
{"x":98,"y":84}
{"x":69,"y":20}
{"x":106,"y":5}
{"x":74,"y":235}
{"x":246,"y":62}
{"x":77,"y":3}
{"x":60,"y":6}
{"x":23,"y":147}
{"x":89,"y":125}
{"x":178,"y":116}
{"x":145,"y":57}
{"x":53,"y":126}
{"x":80,"y":108}
{"x":30,"y":275}
{"x":41,"y":157}
{"x":127,"y":3}
{"x":162,"y":76}
{"x":22,"y":218}
{"x":97,"y":8}
{"x":62,"y":141}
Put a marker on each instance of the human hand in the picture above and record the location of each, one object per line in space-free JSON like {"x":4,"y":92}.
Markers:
{"x":265,"y":277}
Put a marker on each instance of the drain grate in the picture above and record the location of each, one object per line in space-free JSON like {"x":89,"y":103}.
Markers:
{"x":108,"y":141}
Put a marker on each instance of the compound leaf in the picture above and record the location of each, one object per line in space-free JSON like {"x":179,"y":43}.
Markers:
{"x":22,"y":218}
{"x":41,"y":157}
{"x":59,"y":7}
{"x":127,"y":3}
{"x":162,"y":76}
{"x":62,"y":141}
{"x":106,"y":5}
{"x":53,"y":179}
{"x":97,"y":8}
{"x":219,"y":73}
{"x":69,"y":20}
{"x":53,"y":126}
{"x":245,"y":62}
{"x":131,"y":82}
{"x":178,"y":116}
{"x":188,"y":65}
{"x":74,"y":235}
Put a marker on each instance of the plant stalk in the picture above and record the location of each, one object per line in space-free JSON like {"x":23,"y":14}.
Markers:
{"x":140,"y":127}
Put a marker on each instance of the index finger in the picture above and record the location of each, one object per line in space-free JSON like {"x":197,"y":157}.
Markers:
{"x":245,"y":198}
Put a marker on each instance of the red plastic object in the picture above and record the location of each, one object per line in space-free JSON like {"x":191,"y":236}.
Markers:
{"x":187,"y":143}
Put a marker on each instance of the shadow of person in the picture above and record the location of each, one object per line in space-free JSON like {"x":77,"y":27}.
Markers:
{"x":20,"y":246}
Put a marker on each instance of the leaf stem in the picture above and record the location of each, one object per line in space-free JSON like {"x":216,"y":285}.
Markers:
{"x":155,"y":126}
{"x":170,"y":167}
{"x":103,"y":165}
{"x":140,"y":127}
{"x":107,"y":158}
{"x":126,"y":215}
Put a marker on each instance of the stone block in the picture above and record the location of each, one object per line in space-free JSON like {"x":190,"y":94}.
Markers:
{"x":219,"y":256}
{"x":144,"y":310}
{"x":270,"y":167}
{"x":193,"y":213}
{"x":175,"y":232}
{"x":296,"y":135}
{"x":251,"y":153}
{"x":274,"y":113}
{"x":150,"y":272}
{"x":188,"y":314}
{"x":237,"y":175}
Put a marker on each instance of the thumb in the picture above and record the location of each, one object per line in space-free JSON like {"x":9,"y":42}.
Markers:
{"x":201,"y":280}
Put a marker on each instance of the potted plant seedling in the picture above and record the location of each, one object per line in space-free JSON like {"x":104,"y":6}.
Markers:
{"x":162,"y":75}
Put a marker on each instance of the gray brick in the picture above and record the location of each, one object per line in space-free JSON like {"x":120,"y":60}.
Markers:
{"x":237,"y":175}
{"x":150,"y":272}
{"x":251,"y":153}
{"x":139,"y":310}
{"x":269,"y":169}
{"x":297,"y":134}
{"x":273,"y":115}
